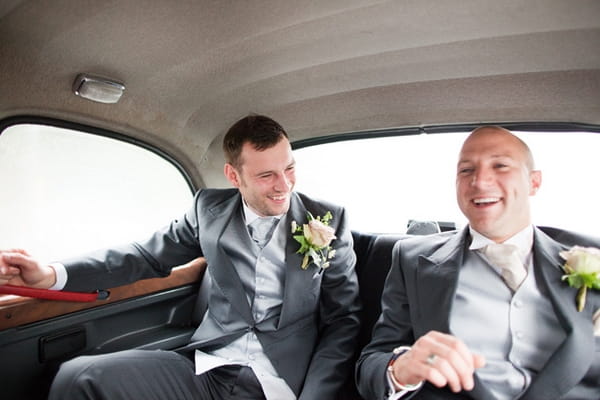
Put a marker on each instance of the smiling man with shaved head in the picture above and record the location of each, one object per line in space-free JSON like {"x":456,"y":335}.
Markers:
{"x":495,"y":177}
{"x":483,"y":313}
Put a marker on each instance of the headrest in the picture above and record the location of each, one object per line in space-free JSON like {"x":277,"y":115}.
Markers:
{"x":422,"y":227}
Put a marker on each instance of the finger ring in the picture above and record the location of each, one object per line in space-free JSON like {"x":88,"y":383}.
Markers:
{"x":431,"y":359}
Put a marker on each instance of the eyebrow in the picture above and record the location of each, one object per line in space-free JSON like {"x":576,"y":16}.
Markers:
{"x":270,"y":171}
{"x":503,"y":155}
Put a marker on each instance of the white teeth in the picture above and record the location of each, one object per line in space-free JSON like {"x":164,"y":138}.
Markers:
{"x":486,"y":200}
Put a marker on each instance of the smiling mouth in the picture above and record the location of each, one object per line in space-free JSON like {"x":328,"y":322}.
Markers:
{"x":278,"y":198}
{"x":485,"y":201}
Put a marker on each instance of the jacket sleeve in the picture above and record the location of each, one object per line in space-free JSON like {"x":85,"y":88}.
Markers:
{"x":173,"y":245}
{"x":393,"y":329}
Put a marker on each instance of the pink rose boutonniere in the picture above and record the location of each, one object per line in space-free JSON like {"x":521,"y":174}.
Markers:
{"x":315,"y":238}
{"x":582,"y":267}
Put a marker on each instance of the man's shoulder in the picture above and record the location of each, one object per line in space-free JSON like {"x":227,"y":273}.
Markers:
{"x":433,"y":240}
{"x":212,"y":195}
{"x":426,"y":245}
{"x":317,"y":204}
{"x":570,"y":238}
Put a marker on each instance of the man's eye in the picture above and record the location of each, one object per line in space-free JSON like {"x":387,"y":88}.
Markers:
{"x":464,"y":171}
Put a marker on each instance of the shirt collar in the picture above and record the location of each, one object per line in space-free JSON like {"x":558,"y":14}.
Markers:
{"x":250,"y":215}
{"x":523,"y":240}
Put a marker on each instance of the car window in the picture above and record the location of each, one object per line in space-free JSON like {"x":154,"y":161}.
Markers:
{"x":387,"y":181}
{"x":66,"y":192}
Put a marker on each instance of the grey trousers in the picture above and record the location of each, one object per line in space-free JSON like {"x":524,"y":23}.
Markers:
{"x":148,"y":375}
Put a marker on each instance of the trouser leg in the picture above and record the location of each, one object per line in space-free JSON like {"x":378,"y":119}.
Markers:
{"x":149,"y":375}
{"x":235,"y":383}
{"x":125,"y":375}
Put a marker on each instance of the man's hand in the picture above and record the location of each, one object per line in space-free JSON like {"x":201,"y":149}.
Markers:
{"x":7,"y":272}
{"x":441,"y":359}
{"x":18,"y":268}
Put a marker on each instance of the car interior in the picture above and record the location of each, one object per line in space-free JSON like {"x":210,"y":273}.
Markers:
{"x":169,"y":78}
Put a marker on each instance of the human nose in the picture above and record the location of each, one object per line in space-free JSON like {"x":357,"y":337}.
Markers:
{"x":282,"y":183}
{"x":481,"y":177}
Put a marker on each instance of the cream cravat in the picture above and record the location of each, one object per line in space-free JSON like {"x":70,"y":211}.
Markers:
{"x":506,"y":257}
{"x":260,"y":230}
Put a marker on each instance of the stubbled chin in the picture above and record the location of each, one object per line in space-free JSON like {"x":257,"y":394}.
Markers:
{"x":482,"y":216}
{"x":280,"y":206}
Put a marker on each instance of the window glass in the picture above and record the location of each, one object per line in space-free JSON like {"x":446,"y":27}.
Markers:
{"x":65,"y":192}
{"x":385,"y":182}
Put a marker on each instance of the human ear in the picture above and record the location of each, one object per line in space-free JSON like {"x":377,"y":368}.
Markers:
{"x":535,"y":178}
{"x":232,"y":175}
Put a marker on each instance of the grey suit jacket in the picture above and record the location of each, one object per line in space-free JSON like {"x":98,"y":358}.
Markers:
{"x":315,"y":335}
{"x":418,"y":297}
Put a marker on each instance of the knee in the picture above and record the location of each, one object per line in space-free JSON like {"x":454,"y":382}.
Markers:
{"x":71,"y":380}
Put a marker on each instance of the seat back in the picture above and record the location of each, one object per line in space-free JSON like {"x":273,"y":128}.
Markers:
{"x":373,"y":261}
{"x":374,"y":257}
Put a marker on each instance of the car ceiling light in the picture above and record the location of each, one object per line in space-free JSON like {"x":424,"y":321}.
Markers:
{"x":97,"y":88}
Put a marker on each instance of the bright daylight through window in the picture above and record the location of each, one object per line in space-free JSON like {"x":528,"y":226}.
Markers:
{"x":67,"y":192}
{"x":385,"y":182}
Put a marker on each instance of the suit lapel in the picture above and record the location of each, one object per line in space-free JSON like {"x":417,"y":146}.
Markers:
{"x":573,"y":358}
{"x":437,"y":277}
{"x":438,"y":280}
{"x":297,"y":280}
{"x":225,"y":227}
{"x":228,"y":228}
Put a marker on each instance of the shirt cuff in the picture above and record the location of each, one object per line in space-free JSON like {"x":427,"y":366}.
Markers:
{"x":61,"y":276}
{"x":394,"y":392}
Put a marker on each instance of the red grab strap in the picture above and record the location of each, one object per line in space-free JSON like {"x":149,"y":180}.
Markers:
{"x":54,"y":294}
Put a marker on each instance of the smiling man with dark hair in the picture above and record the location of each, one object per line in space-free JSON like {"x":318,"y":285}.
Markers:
{"x":276,"y":328}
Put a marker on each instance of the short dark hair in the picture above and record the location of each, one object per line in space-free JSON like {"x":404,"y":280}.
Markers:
{"x":259,"y":130}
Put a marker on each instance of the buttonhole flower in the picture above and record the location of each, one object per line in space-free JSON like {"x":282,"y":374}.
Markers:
{"x":582,"y":271}
{"x":315,"y":239}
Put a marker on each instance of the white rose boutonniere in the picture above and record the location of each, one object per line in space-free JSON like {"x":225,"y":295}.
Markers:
{"x":315,"y":238}
{"x":582,"y":267}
